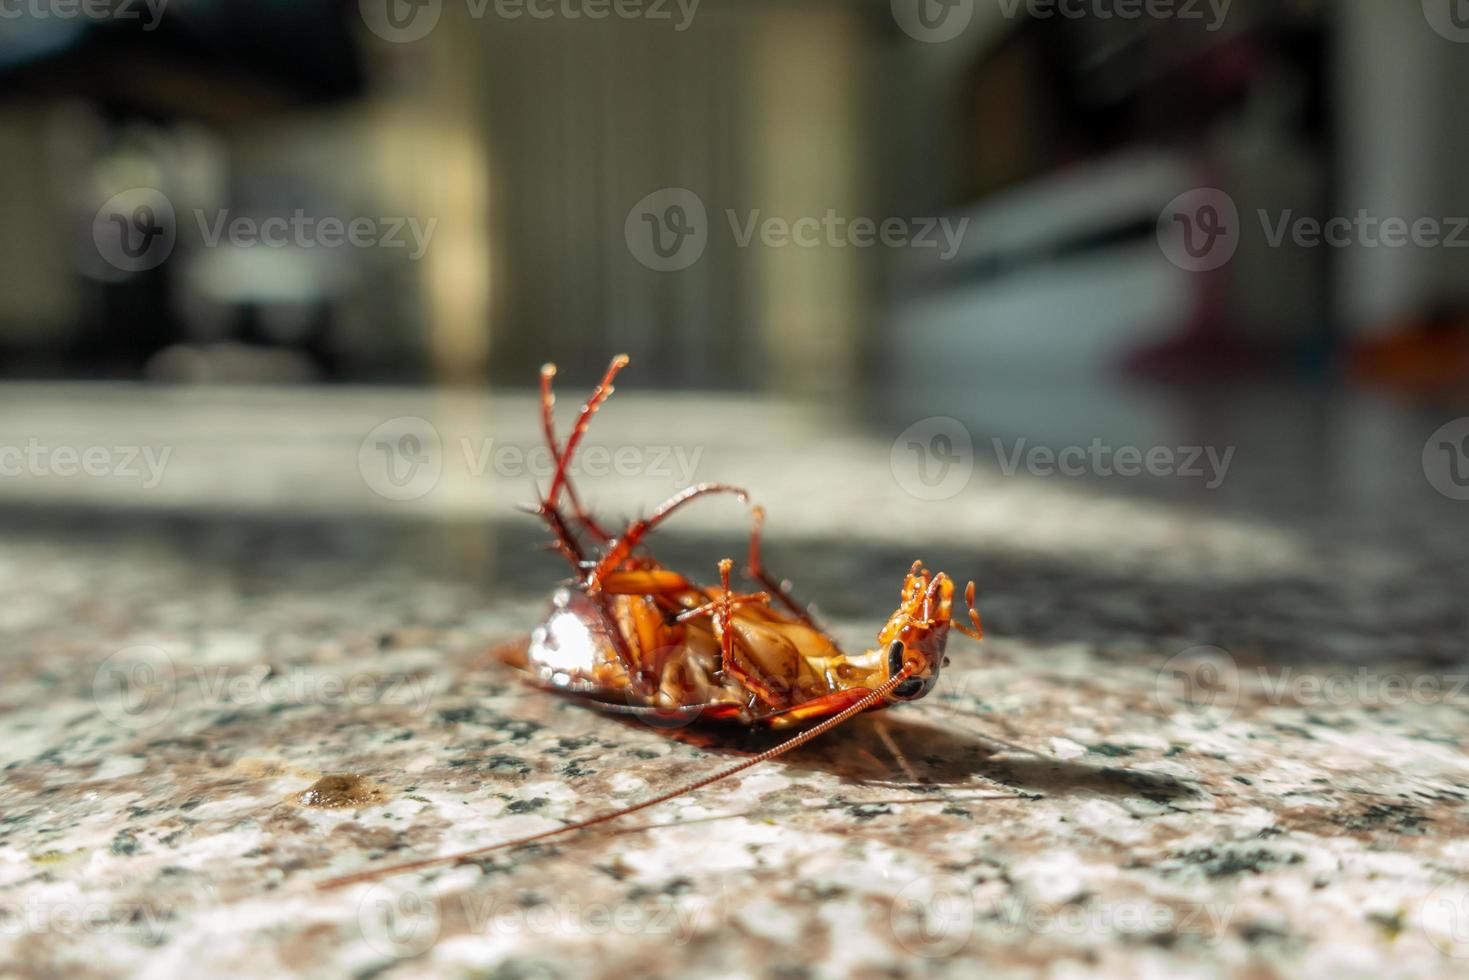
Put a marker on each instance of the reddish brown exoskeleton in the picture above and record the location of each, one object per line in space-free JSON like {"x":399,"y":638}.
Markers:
{"x":628,"y":635}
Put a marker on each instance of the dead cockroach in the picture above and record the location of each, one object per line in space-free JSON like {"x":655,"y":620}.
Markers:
{"x":630,"y":636}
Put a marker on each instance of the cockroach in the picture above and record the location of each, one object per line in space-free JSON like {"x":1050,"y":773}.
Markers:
{"x":629,"y":636}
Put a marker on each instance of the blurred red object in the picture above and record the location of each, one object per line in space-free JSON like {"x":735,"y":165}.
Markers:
{"x":1428,"y":353}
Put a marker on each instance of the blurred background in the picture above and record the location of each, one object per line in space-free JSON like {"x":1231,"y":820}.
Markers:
{"x":520,"y":133}
{"x":839,"y":238}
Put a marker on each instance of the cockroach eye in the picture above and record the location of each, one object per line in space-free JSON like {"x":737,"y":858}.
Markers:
{"x":895,"y":661}
{"x":909,"y":689}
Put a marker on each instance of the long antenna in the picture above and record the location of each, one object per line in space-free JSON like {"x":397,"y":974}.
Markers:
{"x":868,"y":700}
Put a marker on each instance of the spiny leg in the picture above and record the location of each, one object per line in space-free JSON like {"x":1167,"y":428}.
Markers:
{"x":622,"y":549}
{"x":599,"y":395}
{"x":720,"y":610}
{"x":563,"y":541}
{"x":723,"y":604}
{"x":548,"y":424}
{"x":549,"y":508}
{"x":756,"y":570}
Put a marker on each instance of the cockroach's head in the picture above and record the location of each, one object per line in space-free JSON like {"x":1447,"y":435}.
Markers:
{"x":917,"y":634}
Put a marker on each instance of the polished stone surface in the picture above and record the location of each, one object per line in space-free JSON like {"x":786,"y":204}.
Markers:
{"x":1213,"y":732}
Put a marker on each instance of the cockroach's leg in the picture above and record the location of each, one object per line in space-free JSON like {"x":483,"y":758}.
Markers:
{"x":623,"y":547}
{"x":896,"y":752}
{"x":867,"y":699}
{"x":599,"y":395}
{"x":723,"y":604}
{"x":756,"y":570}
{"x":735,"y":601}
{"x":724,"y":621}
{"x":822,"y":707}
{"x":648,"y":582}
{"x":548,"y":424}
{"x":563,"y":540}
{"x":721,"y":613}
{"x":977,"y":633}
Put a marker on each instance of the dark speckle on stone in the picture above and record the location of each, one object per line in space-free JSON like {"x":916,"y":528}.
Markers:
{"x":867,"y":811}
{"x":124,"y":844}
{"x":1230,"y":862}
{"x":526,"y":806}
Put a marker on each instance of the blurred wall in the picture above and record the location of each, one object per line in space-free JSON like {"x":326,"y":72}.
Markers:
{"x":1405,"y":137}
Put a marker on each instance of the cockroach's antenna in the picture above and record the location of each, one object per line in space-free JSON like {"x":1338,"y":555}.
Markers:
{"x":868,"y":700}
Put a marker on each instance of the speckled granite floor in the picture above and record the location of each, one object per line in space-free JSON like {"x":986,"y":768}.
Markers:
{"x":1203,"y":740}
